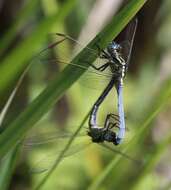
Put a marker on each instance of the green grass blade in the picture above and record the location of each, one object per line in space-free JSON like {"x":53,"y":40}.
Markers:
{"x":100,"y":179}
{"x":152,"y":161}
{"x":18,"y":128}
{"x":18,"y":58}
{"x":7,"y":167}
{"x":11,"y":97}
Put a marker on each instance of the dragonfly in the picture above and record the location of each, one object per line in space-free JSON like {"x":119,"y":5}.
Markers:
{"x":118,"y":63}
{"x":113,"y":64}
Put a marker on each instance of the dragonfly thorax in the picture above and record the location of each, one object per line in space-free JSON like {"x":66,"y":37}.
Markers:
{"x":118,"y":64}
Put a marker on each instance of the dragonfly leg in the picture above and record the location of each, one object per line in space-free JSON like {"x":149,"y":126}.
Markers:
{"x":114,"y":116}
{"x":116,"y":124}
{"x":109,"y":135}
{"x":109,"y":124}
{"x":101,"y":68}
{"x":112,"y":125}
{"x":54,"y":44}
{"x":102,"y":53}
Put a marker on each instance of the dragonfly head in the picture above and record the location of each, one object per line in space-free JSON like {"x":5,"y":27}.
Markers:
{"x":118,"y":141}
{"x":114,"y":47}
{"x":110,"y":136}
{"x":96,"y":134}
{"x":100,"y":135}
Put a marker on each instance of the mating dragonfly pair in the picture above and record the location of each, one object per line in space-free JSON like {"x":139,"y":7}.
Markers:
{"x":113,"y":63}
{"x":117,"y":57}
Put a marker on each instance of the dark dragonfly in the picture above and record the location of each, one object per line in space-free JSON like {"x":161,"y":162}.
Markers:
{"x":115,"y":60}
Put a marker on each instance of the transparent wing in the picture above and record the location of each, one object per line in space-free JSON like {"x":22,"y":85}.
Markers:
{"x":126,"y":39}
{"x":115,"y":151}
{"x":47,"y":138}
{"x":46,"y":162}
{"x":125,"y":50}
{"x":62,"y":51}
{"x":44,"y":148}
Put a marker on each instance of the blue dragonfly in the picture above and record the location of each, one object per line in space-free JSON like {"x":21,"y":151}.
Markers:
{"x":113,"y":64}
{"x":114,"y":60}
{"x":118,"y":57}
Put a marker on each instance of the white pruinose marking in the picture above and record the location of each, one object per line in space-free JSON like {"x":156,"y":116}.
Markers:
{"x":119,"y":57}
{"x":123,"y":71}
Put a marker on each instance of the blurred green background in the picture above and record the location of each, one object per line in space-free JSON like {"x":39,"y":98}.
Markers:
{"x":26,"y":28}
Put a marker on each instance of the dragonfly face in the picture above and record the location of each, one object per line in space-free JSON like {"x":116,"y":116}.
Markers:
{"x":100,"y":135}
{"x":114,"y":48}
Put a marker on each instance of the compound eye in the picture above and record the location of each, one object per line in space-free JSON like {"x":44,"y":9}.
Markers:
{"x":114,"y":46}
{"x":119,"y":47}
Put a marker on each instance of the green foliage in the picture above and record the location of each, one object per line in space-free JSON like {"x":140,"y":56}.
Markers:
{"x":98,"y":170}
{"x":62,"y":82}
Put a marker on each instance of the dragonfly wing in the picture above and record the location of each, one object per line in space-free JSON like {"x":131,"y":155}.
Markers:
{"x":94,"y":79}
{"x":124,"y":155}
{"x":43,"y":149}
{"x":46,"y":162}
{"x":61,"y":52}
{"x":45,"y":138}
{"x":126,"y":39}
